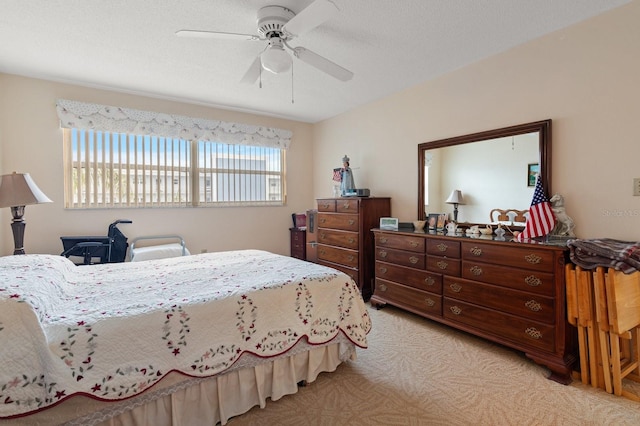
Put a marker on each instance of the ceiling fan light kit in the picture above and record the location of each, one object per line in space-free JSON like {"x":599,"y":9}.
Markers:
{"x":274,"y":58}
{"x":279,"y":25}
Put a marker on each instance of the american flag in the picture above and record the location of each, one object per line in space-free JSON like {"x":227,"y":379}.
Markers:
{"x":541,"y":218}
{"x":337,"y":175}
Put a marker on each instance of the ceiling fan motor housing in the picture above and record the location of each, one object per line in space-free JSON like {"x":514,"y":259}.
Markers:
{"x":271,"y":19}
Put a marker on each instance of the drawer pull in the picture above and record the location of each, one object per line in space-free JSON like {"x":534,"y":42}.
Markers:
{"x":533,"y":281}
{"x":350,"y":258}
{"x":534,"y":333}
{"x":413,"y":243}
{"x":476,"y":270}
{"x":383,"y":240}
{"x":345,"y":206}
{"x":455,"y":310}
{"x":442,"y":247}
{"x":323,"y":235}
{"x":429,"y":302}
{"x":382,"y":287}
{"x":429,"y":281}
{"x":382,"y":253}
{"x":325,"y":206}
{"x":533,"y":305}
{"x":351,"y":221}
{"x":382,"y":270}
{"x":323,"y":220}
{"x":533,"y":259}
{"x":413,"y":260}
{"x":455,"y":287}
{"x":322,"y":251}
{"x":351,"y":240}
{"x":442,"y":264}
{"x":476,"y":251}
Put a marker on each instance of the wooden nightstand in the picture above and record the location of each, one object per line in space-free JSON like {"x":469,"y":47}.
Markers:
{"x":298,"y":243}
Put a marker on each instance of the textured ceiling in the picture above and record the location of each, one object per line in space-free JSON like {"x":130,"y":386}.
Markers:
{"x":131,"y":46}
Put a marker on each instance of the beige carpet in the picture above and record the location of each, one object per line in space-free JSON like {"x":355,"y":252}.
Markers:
{"x":418,"y":372}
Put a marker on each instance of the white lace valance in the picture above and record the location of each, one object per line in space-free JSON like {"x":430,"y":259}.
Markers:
{"x":81,"y":115}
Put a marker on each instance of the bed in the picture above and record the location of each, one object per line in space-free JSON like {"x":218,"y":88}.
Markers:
{"x":185,"y":340}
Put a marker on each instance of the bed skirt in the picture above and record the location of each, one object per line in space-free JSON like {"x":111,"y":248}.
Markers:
{"x":181,"y":401}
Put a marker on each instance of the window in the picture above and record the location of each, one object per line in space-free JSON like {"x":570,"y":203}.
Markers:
{"x":111,"y":170}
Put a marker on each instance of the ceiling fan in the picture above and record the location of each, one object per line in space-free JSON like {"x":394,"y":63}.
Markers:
{"x":279,"y":25}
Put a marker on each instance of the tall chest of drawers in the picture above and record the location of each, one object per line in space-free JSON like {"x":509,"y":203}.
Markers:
{"x":507,"y":292}
{"x":345,"y":240}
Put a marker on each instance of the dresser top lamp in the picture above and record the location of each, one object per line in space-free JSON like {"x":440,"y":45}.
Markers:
{"x":456,"y":199}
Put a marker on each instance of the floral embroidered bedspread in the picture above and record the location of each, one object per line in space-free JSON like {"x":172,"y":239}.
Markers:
{"x":111,"y":331}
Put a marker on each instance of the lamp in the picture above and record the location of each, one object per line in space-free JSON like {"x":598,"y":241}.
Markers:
{"x":16,"y":191}
{"x":275,"y":58}
{"x":455,"y":198}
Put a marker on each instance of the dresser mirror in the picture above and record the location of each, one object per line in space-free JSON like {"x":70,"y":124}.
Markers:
{"x":492,"y":169}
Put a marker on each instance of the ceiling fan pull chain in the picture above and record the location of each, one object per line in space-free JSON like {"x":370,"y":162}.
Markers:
{"x":292,"y":84}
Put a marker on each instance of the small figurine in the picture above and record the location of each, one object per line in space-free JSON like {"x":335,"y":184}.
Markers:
{"x":565,"y":225}
{"x":346,"y":183}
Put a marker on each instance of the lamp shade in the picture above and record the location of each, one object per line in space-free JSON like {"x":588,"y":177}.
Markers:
{"x":18,"y":189}
{"x":455,"y":197}
{"x":275,"y":58}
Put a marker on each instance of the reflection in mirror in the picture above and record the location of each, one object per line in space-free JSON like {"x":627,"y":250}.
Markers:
{"x":493,"y":170}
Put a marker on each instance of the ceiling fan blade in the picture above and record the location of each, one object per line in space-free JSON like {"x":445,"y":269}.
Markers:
{"x":253,"y":72}
{"x":216,"y":34}
{"x":323,"y":64}
{"x":310,"y":17}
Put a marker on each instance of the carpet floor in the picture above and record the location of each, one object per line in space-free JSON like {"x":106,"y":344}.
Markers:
{"x":419,"y":372}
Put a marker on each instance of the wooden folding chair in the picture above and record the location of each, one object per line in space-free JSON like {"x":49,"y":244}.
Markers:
{"x":602,"y":319}
{"x":573,"y":316}
{"x":623,"y":306}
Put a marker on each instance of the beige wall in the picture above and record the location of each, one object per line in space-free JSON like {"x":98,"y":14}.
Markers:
{"x":585,"y":78}
{"x":31,"y":141}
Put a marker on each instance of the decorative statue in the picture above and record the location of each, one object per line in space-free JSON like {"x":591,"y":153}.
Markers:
{"x":346,"y":183}
{"x":565,"y":225}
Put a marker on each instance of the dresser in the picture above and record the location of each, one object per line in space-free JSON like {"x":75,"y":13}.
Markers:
{"x":298,"y":243}
{"x":510,"y":293}
{"x":344,"y":237}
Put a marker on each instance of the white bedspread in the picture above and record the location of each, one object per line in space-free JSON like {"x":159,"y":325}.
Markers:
{"x":111,"y":331}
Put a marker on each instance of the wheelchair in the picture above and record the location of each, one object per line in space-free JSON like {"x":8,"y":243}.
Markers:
{"x":111,"y":248}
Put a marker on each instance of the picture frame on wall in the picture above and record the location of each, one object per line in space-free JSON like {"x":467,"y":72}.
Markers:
{"x":532,"y":173}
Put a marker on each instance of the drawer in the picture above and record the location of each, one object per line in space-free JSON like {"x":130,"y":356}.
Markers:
{"x":328,"y":205}
{"x":502,"y":325}
{"x":443,"y":265}
{"x":344,"y":221}
{"x":344,"y":239}
{"x":422,"y":280}
{"x":444,"y":248}
{"x":347,"y":205}
{"x":528,"y":305}
{"x":338,"y":255}
{"x":519,"y":279}
{"x":409,"y":297}
{"x":297,"y":238}
{"x":402,"y":242}
{"x":351,"y":272}
{"x":402,"y":257}
{"x":516,"y":255}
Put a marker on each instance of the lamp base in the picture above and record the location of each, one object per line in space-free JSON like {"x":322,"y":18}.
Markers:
{"x":17,"y":226}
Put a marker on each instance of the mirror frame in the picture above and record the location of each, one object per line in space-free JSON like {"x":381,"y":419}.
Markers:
{"x":543,"y":127}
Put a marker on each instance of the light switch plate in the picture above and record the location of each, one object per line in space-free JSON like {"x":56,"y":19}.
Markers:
{"x":636,"y":187}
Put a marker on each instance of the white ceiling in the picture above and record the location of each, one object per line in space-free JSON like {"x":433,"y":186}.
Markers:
{"x":130,"y":46}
